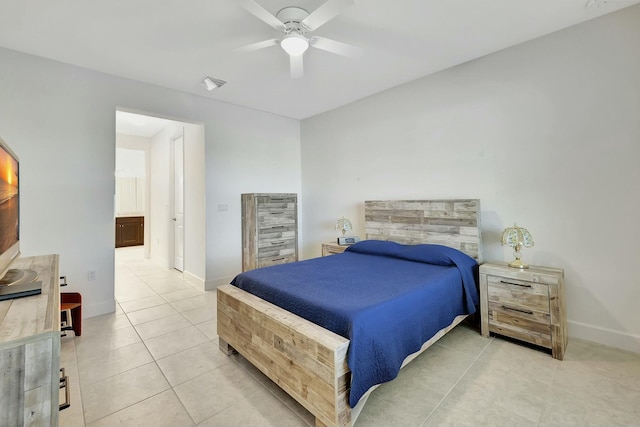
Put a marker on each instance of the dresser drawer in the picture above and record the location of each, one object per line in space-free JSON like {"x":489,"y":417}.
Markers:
{"x":528,"y":335}
{"x":518,"y":293}
{"x":522,"y":324}
{"x":279,"y":243}
{"x":275,"y":232}
{"x":276,"y":201}
{"x":514,"y":316}
{"x":286,"y":248}
{"x":268,"y":217}
{"x":266,"y":262}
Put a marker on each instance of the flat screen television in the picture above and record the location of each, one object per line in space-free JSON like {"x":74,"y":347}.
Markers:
{"x":10,"y":229}
{"x":9,"y":213}
{"x":9,"y":208}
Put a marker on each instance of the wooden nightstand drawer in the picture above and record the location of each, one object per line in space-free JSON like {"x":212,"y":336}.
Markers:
{"x":512,"y":316}
{"x":518,"y":293}
{"x":528,"y":335}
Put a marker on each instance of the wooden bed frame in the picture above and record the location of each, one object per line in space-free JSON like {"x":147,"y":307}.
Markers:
{"x":309,"y":362}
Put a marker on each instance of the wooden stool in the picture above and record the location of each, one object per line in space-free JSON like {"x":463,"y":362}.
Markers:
{"x":71,"y":303}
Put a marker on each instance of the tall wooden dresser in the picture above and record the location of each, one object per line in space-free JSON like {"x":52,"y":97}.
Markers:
{"x":269,"y":229}
{"x":30,"y":350}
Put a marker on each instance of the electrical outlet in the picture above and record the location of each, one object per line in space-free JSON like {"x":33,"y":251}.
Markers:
{"x":91,"y":275}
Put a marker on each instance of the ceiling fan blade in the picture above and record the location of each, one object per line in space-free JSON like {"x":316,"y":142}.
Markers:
{"x":334,"y":46}
{"x":260,"y":45}
{"x":263,"y":14}
{"x":329,"y":10}
{"x":297,"y":68}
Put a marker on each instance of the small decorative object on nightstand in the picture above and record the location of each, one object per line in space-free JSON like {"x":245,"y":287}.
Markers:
{"x":333,"y":248}
{"x":344,"y":225}
{"x":527,"y":305}
{"x":517,"y":237}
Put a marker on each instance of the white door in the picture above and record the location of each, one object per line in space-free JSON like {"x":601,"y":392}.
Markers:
{"x":178,"y":187}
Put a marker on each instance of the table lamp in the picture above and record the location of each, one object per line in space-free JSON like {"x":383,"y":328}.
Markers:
{"x":344,"y":225}
{"x":516,"y":238}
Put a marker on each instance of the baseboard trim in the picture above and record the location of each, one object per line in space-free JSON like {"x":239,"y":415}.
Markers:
{"x":213,"y":284}
{"x":605,"y":336}
{"x":194,"y":280}
{"x":93,"y":310}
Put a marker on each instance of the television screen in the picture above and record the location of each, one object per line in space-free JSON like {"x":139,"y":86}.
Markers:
{"x":9,"y":207}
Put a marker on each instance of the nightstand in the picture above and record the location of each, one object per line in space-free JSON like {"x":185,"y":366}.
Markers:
{"x":333,"y":248}
{"x":525,"y":304}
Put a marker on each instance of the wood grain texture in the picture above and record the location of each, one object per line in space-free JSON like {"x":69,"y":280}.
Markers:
{"x":454,"y":223}
{"x":309,"y":362}
{"x":305,"y":360}
{"x":527,"y":305}
{"x":269,"y":229}
{"x":30,"y":350}
{"x":333,"y":248}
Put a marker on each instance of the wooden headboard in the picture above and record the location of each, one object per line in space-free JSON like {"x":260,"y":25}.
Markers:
{"x":454,"y":223}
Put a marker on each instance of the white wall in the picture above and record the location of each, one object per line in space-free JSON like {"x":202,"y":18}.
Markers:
{"x":546,"y":134}
{"x":195,"y":204}
{"x":143,"y":144}
{"x":60,"y":120}
{"x":161,"y":184}
{"x":130,"y":182}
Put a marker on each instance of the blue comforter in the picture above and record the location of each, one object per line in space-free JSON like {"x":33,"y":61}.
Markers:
{"x":388,"y":299}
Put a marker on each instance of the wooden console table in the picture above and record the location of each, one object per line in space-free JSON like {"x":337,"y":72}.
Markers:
{"x":30,"y":350}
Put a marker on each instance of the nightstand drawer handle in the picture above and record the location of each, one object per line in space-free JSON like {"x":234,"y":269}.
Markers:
{"x":517,"y":309}
{"x":278,"y":243}
{"x":277,"y":226}
{"x":278,"y":259}
{"x":277,"y":213}
{"x":515,"y":284}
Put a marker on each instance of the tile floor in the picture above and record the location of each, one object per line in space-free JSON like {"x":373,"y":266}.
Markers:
{"x":155,"y":362}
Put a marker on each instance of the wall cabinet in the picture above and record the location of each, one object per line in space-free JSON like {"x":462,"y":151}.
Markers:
{"x":129,"y":231}
{"x":269,"y":229}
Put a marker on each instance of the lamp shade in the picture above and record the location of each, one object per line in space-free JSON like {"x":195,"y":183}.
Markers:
{"x":344,"y":225}
{"x":517,"y":237}
{"x":295,"y":44}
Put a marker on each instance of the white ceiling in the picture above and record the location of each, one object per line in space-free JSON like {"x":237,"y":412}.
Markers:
{"x":139,"y":125}
{"x":176,"y":43}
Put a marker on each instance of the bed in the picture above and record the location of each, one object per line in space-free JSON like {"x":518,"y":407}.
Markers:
{"x":311,"y":362}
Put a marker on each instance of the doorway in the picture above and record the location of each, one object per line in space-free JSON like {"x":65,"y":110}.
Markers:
{"x":174,"y":186}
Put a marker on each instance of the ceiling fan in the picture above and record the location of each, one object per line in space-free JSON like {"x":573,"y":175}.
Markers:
{"x":296,"y":24}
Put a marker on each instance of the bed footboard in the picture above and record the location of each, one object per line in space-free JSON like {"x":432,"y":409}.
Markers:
{"x":305,"y":360}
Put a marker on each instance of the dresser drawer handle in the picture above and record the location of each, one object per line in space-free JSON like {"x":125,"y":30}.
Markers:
{"x":277,"y":259}
{"x":278,"y":243}
{"x":277,"y":213}
{"x":517,"y":309}
{"x":64,"y":383}
{"x":277,"y":226}
{"x":515,"y":284}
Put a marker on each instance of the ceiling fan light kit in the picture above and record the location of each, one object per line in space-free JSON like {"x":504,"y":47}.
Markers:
{"x":295,"y":22}
{"x":295,"y":44}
